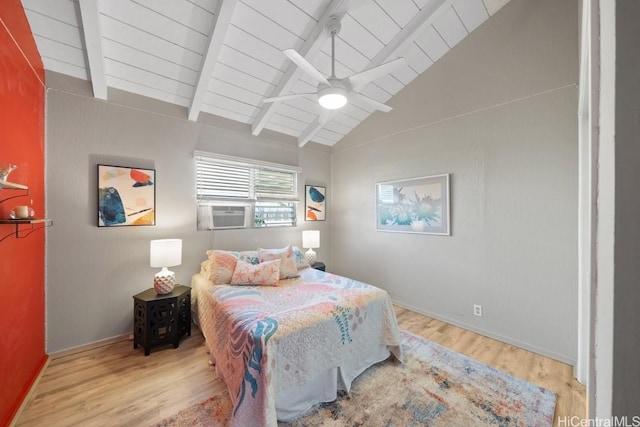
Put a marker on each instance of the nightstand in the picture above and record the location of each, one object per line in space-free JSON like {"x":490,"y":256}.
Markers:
{"x":161,"y":319}
{"x":318,"y":265}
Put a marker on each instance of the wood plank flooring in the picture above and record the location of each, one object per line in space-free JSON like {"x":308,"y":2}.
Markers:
{"x":115,"y":385}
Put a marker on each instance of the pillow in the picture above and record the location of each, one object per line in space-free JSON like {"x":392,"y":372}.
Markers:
{"x":222,"y":264}
{"x":287,"y":260}
{"x":248,"y":256}
{"x":265,"y":274}
{"x":301,"y":260}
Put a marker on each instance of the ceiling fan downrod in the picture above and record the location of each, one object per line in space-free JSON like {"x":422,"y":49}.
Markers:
{"x":333,"y":27}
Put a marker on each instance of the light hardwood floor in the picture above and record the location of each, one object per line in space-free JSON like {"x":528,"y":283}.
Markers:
{"x":115,"y":385}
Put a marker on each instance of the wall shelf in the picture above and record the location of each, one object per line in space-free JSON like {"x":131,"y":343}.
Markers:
{"x":32,"y":223}
{"x":22,"y":232}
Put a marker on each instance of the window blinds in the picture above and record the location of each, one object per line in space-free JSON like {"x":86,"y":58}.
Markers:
{"x":221,"y":177}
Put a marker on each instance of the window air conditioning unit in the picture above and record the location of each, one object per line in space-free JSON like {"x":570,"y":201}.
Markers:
{"x":231,"y":216}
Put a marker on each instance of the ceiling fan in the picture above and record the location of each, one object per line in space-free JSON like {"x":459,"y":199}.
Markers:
{"x":333,"y":93}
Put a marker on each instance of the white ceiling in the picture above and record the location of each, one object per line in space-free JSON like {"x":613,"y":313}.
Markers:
{"x":224,"y":56}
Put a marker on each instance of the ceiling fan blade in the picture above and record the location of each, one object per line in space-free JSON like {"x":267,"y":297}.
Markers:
{"x":359,"y":80}
{"x":373,"y":103}
{"x":309,"y":69}
{"x":286,"y":97}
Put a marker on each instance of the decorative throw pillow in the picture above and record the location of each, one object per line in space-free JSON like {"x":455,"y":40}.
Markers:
{"x":301,"y":260}
{"x":287,"y":260}
{"x":221,"y":267}
{"x":249,"y":256}
{"x":263,"y":274}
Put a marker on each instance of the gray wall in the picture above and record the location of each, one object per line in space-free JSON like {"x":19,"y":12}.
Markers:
{"x":626,"y":344}
{"x":92,"y":273}
{"x":498,"y":113}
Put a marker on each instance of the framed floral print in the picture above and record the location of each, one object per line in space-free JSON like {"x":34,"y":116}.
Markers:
{"x":415,"y":205}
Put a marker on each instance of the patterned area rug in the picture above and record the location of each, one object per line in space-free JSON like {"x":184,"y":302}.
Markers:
{"x":435,"y":387}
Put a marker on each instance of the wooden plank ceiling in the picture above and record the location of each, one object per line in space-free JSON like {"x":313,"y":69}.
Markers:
{"x":223,"y":57}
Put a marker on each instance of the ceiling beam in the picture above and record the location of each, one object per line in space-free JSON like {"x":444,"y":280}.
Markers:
{"x":401,"y":41}
{"x":309,"y":132}
{"x":410,"y":32}
{"x":90,"y":17}
{"x":315,"y":126}
{"x":309,"y":49}
{"x":210,"y":56}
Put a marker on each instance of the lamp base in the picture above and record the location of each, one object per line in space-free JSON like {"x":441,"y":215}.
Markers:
{"x":164,"y":281}
{"x":310,"y":255}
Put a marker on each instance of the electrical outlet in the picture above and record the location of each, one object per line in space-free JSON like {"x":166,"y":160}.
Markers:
{"x":477,"y":310}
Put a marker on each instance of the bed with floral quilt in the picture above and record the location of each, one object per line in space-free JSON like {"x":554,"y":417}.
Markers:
{"x":284,"y":336}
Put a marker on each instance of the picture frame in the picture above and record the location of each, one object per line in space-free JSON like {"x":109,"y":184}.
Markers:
{"x":415,"y":205}
{"x":315,"y":203}
{"x":126,"y":196}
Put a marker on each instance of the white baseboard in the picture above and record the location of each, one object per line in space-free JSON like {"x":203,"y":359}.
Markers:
{"x":90,"y":346}
{"x":94,"y":345}
{"x":486,"y":333}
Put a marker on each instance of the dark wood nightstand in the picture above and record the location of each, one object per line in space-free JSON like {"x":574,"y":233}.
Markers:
{"x":318,"y":265}
{"x":161,"y":319}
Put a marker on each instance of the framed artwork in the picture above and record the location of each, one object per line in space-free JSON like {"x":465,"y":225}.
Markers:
{"x":315,"y":203}
{"x":126,"y":196}
{"x":416,"y":205}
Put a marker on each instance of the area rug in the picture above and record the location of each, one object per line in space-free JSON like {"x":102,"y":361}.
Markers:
{"x":434,"y":387}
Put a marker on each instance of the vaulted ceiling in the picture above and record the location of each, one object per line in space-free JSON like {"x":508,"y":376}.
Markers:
{"x":223,"y":57}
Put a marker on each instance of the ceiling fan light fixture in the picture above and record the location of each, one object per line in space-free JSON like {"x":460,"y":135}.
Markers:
{"x":332,"y":98}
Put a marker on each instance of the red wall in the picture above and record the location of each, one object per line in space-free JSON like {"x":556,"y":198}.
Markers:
{"x":22,"y":93}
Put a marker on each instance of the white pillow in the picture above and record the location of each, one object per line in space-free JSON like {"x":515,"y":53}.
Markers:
{"x":288,"y":266}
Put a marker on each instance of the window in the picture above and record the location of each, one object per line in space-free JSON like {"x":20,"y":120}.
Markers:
{"x":224,"y":183}
{"x":269,"y":214}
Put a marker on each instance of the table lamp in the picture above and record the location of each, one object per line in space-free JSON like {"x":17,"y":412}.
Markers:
{"x":165,"y":253}
{"x":311,"y":240}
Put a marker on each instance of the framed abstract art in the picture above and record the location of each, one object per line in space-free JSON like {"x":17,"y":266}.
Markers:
{"x":315,"y":203}
{"x":126,"y":196}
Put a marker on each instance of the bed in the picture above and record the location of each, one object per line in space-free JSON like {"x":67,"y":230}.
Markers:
{"x":281,"y":349}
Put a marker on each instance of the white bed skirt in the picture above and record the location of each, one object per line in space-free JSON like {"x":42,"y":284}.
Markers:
{"x":291,"y":404}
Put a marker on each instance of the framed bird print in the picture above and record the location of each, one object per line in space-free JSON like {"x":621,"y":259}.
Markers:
{"x":126,"y":196}
{"x":315,"y":203}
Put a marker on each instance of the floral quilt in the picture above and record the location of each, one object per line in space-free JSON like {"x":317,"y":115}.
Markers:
{"x":266,"y":339}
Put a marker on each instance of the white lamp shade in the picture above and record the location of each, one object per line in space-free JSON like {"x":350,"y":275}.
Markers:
{"x":311,"y":239}
{"x":165,"y":252}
